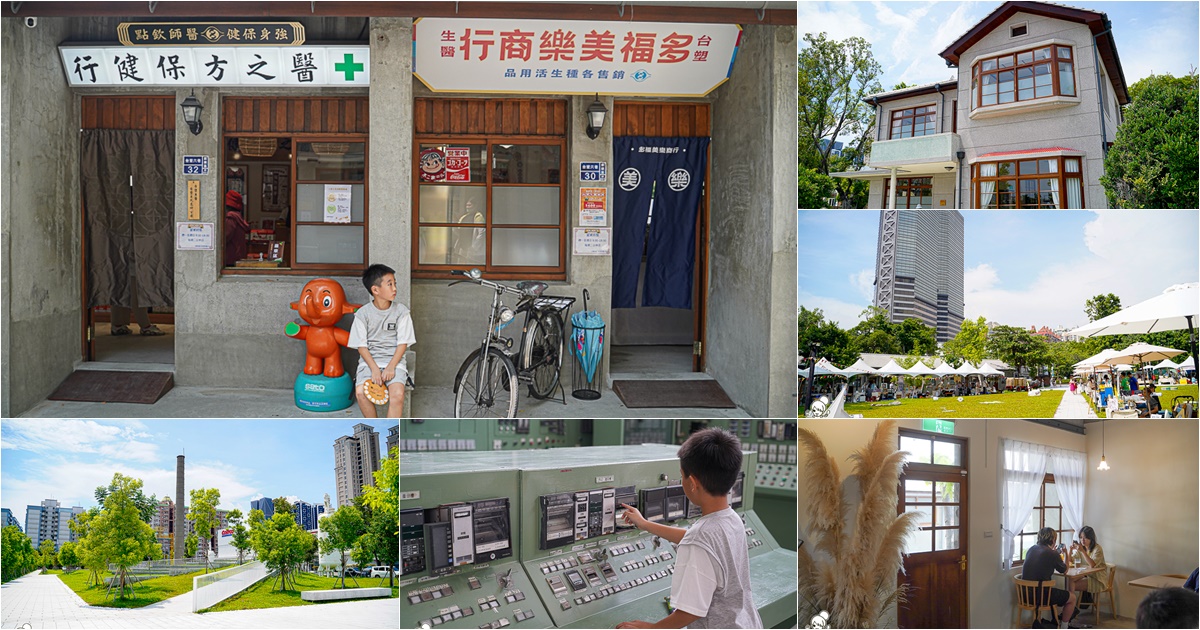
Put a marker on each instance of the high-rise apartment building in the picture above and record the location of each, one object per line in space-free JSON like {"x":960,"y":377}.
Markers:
{"x":919,"y":268}
{"x":307,"y":514}
{"x":393,"y":440}
{"x":48,"y":521}
{"x":355,"y":459}
{"x":7,"y":518}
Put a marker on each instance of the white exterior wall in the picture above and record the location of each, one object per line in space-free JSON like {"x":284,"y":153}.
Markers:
{"x":944,"y":118}
{"x":1076,"y":126}
{"x":943,"y":191}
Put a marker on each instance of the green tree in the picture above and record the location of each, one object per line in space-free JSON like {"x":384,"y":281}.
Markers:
{"x":147,"y":506}
{"x":88,"y":549}
{"x":282,"y":505}
{"x":834,"y":343}
{"x":1154,"y":157}
{"x":241,"y":536}
{"x":67,"y":556}
{"x":191,"y":545}
{"x":203,"y":515}
{"x":120,"y":537}
{"x":875,"y":333}
{"x":342,"y":529}
{"x":970,"y":344}
{"x":812,"y":188}
{"x":1017,"y":347}
{"x":380,"y":507}
{"x":1101,"y":306}
{"x":46,"y":554}
{"x":900,"y":86}
{"x":17,"y":555}
{"x":280,"y":544}
{"x":915,"y":337}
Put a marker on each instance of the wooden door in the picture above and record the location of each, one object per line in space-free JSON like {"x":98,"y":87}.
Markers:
{"x":935,"y":571}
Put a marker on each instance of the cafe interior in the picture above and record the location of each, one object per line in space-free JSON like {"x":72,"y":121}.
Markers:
{"x":981,"y":490}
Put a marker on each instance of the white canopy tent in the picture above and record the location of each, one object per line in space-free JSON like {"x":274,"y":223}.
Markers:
{"x":891,"y":368}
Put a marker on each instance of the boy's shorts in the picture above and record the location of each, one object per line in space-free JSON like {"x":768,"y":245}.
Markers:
{"x":363,"y":374}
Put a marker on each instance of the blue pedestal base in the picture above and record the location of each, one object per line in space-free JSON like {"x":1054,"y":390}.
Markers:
{"x":321,"y":393}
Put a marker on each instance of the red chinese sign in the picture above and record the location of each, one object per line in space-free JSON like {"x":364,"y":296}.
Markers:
{"x":458,"y":164}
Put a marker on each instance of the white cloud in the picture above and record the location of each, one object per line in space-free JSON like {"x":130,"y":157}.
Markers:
{"x":845,"y":314}
{"x":979,"y":278}
{"x":864,"y":282}
{"x":838,"y":20}
{"x":1163,"y":46}
{"x":80,"y":436}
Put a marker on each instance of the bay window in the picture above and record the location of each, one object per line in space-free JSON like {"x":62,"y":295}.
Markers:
{"x":1027,"y":75}
{"x":1028,"y":183}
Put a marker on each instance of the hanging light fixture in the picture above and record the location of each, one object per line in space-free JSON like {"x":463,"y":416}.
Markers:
{"x":191,"y":113}
{"x":1103,"y":464}
{"x":595,"y":114}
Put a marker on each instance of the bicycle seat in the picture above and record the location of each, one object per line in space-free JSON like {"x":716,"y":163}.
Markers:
{"x":532,"y":287}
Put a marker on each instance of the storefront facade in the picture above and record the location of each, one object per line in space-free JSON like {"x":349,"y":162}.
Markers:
{"x":292,"y":143}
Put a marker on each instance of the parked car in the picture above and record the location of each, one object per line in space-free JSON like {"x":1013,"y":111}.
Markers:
{"x":381,"y":571}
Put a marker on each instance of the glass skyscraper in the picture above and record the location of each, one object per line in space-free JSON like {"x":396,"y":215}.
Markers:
{"x":919,"y":268}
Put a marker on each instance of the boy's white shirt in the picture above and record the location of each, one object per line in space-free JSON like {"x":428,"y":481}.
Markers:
{"x":695,"y":580}
{"x":404,"y":333}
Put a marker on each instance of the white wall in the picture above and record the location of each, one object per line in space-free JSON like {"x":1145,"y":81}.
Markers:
{"x":1144,"y":509}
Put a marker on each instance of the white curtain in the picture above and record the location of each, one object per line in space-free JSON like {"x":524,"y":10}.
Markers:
{"x":1020,"y":486}
{"x":986,"y":189}
{"x":1054,"y":193}
{"x":1074,"y":185}
{"x":1070,"y":472}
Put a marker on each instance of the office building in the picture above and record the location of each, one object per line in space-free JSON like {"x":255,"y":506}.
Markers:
{"x":919,"y":268}
{"x":48,"y":521}
{"x":307,"y":514}
{"x":356,"y":458}
{"x":7,"y":518}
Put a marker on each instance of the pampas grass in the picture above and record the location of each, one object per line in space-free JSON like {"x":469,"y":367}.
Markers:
{"x":852,"y":575}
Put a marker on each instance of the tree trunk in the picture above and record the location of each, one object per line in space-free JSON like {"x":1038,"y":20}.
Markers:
{"x":343,"y":556}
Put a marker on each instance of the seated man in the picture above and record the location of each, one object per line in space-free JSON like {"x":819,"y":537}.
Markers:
{"x":1169,"y":608}
{"x":1041,"y":561}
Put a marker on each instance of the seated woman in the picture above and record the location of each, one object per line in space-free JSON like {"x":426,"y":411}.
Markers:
{"x":1088,"y":553}
{"x":1152,"y":404}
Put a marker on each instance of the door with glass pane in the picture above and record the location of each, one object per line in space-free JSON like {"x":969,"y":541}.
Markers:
{"x":934,"y":485}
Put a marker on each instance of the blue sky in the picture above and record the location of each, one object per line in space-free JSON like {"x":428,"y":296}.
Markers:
{"x":245,"y":459}
{"x":1021,"y":268}
{"x":906,"y":37}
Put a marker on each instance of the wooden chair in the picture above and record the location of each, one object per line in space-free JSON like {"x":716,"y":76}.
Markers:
{"x":1027,"y":598}
{"x":1108,"y":589}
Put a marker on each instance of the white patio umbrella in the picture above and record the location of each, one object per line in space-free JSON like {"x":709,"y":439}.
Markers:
{"x":1140,"y":352}
{"x":1176,"y":308}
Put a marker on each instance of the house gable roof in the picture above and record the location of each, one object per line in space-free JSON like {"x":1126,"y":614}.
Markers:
{"x":914,"y":90}
{"x":1096,"y":21}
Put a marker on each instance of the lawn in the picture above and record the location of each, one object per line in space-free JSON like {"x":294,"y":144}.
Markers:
{"x":266,"y":594}
{"x":145,"y":592}
{"x":1006,"y":405}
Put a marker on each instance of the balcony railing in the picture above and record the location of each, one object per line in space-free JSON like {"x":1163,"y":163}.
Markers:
{"x":940,"y":147}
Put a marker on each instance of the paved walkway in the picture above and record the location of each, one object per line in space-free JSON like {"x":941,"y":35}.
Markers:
{"x":43,"y":601}
{"x":1073,"y":406}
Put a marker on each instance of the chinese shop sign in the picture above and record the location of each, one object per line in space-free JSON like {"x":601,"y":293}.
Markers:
{"x":211,"y":34}
{"x":593,"y":207}
{"x":299,"y":66}
{"x":458,"y":164}
{"x":564,"y":57}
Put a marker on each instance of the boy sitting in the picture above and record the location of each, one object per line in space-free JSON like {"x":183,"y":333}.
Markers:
{"x":382,"y":332}
{"x":711,"y":584}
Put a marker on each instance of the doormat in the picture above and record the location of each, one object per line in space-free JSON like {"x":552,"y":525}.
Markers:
{"x":143,"y":388}
{"x":658,"y":394}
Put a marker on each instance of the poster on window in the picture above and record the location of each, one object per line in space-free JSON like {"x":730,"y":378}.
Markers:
{"x":593,"y":207}
{"x":432,"y":165}
{"x":337,"y":203}
{"x":458,"y":164}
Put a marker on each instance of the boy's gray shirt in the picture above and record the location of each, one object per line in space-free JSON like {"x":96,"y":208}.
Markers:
{"x":722,"y":535}
{"x":382,"y":332}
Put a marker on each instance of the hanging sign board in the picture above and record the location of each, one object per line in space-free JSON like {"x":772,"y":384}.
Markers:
{"x":210,"y":33}
{"x":337,"y":203}
{"x":938,"y":426}
{"x":194,"y":236}
{"x":193,"y":200}
{"x":195,"y":165}
{"x":183,"y":66}
{"x":593,"y":207}
{"x":573,"y":57}
{"x":593,"y":171}
{"x":593,"y":241}
{"x":458,"y":164}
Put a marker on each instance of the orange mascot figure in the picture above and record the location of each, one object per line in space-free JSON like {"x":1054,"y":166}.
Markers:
{"x":322,"y":304}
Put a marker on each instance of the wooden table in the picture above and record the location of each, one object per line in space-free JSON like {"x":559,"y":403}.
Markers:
{"x":1159,"y":581}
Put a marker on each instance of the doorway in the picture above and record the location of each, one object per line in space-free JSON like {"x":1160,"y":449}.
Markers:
{"x":934,"y":484}
{"x":656,"y":342}
{"x":127,"y":174}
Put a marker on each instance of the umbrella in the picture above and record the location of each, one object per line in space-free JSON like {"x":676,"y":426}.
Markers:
{"x":1176,"y":308}
{"x":1140,"y":352}
{"x":587,"y":340}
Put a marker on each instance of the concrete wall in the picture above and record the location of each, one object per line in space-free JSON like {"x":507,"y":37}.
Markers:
{"x":39,"y":216}
{"x":943,"y":191}
{"x":752,"y":247}
{"x":1145,"y":516}
{"x":991,"y":597}
{"x":1075,"y":127}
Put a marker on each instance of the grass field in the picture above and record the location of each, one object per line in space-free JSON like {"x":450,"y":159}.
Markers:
{"x":1006,"y":405}
{"x":144,"y":593}
{"x":266,"y":594}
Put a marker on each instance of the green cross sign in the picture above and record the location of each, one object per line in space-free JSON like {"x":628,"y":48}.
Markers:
{"x":348,"y":66}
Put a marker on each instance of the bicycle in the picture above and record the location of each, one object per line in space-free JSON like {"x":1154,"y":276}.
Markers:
{"x":487,"y":381}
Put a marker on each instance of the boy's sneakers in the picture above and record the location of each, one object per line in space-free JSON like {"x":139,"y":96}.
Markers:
{"x":117,"y":331}
{"x":151,"y":331}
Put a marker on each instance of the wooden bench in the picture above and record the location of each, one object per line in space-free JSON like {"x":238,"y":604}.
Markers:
{"x":344,"y":593}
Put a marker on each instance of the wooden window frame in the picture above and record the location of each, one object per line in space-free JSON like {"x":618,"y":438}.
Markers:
{"x":909,"y":186}
{"x":495,"y":272}
{"x":1040,"y":510}
{"x":1061,"y":175}
{"x":977,"y":74}
{"x":910,"y":112}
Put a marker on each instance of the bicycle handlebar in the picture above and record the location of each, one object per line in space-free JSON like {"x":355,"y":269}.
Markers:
{"x":495,"y":286}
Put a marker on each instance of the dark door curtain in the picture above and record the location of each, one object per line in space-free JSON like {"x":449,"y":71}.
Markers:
{"x":672,"y":171}
{"x":129,"y":229}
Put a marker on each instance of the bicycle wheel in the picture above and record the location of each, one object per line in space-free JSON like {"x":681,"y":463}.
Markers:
{"x":542,"y":355}
{"x":487,"y":388}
